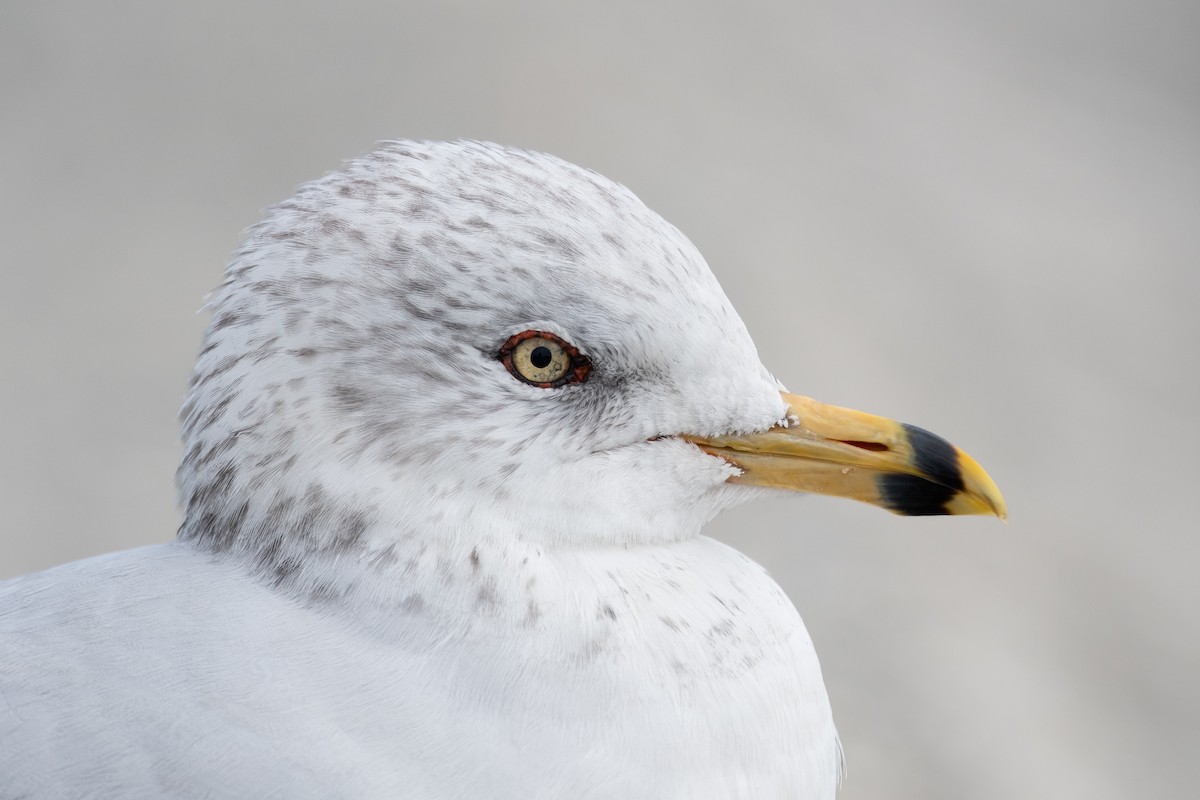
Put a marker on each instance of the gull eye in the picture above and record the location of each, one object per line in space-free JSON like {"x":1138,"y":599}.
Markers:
{"x":544,"y":360}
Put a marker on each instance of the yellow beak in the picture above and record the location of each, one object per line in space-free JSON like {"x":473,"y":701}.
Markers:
{"x":837,"y":451}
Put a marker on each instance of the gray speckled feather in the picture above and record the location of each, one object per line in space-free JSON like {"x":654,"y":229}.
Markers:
{"x":402,"y":572}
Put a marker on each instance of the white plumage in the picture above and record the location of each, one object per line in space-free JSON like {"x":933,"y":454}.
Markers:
{"x":405,"y":573}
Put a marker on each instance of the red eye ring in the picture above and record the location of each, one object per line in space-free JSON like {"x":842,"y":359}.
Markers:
{"x":576,"y":370}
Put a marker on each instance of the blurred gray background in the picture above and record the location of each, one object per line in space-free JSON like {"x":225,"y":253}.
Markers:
{"x":981,"y":218}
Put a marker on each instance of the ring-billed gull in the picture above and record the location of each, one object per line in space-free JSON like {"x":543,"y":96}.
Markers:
{"x":456,"y":424}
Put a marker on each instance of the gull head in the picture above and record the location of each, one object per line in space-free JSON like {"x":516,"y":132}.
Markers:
{"x":455,"y":341}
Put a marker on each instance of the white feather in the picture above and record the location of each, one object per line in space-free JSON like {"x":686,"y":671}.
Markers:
{"x":405,"y":574}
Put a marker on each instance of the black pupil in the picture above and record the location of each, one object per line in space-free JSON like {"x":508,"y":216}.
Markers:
{"x":541,"y":357}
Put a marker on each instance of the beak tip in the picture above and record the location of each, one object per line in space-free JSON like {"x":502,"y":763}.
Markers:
{"x":978,"y":484}
{"x":1000,"y":510}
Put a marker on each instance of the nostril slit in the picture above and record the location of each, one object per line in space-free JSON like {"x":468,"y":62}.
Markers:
{"x":873,"y":446}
